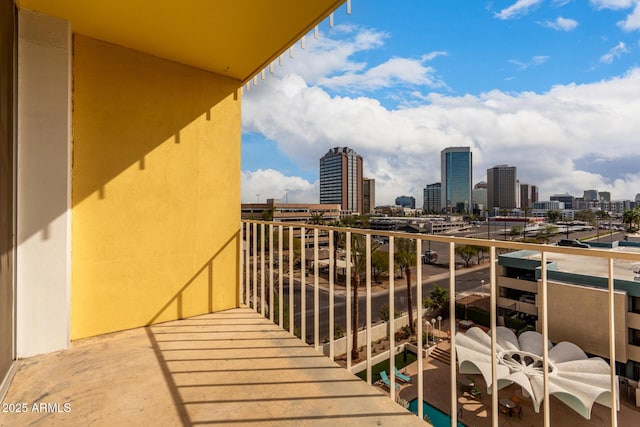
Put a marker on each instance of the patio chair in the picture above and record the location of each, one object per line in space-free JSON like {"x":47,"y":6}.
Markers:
{"x":401,"y":376}
{"x":385,"y":380}
{"x":517,"y":410}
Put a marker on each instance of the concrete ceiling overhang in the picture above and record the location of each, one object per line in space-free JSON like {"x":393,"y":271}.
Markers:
{"x":234,"y":38}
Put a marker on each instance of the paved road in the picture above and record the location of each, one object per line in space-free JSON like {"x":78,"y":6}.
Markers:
{"x":467,"y":280}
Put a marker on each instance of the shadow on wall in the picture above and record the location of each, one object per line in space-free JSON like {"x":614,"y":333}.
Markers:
{"x":126,"y":104}
{"x":207,"y":269}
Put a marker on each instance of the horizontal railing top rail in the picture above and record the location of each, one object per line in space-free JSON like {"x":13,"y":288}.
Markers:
{"x":474,"y":241}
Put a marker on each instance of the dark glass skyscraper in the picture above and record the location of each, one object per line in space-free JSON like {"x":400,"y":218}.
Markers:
{"x":456,"y":173}
{"x":341,"y":179}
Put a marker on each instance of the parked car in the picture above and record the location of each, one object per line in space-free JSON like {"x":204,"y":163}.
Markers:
{"x":429,"y":257}
{"x":573,"y":243}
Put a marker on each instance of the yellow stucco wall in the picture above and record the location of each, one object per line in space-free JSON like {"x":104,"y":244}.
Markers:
{"x":156,"y":190}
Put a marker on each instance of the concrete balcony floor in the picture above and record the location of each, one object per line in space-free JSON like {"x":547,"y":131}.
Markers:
{"x":231,"y":367}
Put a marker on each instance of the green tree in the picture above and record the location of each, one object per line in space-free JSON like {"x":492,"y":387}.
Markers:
{"x":553,"y":216}
{"x":438,"y":300}
{"x":466,"y":252}
{"x":632,"y":219}
{"x":515,"y":230}
{"x":585,"y":215}
{"x":380,"y":264}
{"x":406,"y":258}
{"x":358,"y":269}
{"x":547,"y":232}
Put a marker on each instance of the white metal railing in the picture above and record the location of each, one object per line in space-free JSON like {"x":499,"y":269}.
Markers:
{"x":257,"y":290}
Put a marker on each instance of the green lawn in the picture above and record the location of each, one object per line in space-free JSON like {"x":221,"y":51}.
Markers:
{"x":384,"y":366}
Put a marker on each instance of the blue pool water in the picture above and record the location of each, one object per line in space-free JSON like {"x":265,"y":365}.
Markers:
{"x":437,"y":417}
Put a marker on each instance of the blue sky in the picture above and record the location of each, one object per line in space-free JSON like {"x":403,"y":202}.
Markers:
{"x":549,"y":86}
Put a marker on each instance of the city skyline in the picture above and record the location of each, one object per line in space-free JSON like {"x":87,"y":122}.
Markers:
{"x":555,"y":95}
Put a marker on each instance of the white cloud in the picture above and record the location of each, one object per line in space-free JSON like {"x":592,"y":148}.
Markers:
{"x":615,"y":52}
{"x":391,"y":73}
{"x":613,"y":4}
{"x":632,"y":21}
{"x":328,"y":62}
{"x":263,"y":184}
{"x":536,"y":60}
{"x":520,"y":7}
{"x":562,"y":24}
{"x":541,"y":134}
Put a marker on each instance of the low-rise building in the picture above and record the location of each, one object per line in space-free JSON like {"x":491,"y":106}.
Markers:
{"x":577,"y":301}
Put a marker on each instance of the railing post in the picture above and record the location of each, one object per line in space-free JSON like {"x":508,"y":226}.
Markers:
{"x":452,"y":334}
{"x":247,"y":263}
{"x":419,"y":328}
{"x":392,"y":328}
{"x":348,"y":299}
{"x":316,"y":293}
{"x":368,"y":303}
{"x":612,"y":348}
{"x":280,"y":280}
{"x":303,"y":285}
{"x":254,"y":294}
{"x":292,"y":285}
{"x":241,"y":264}
{"x":493,"y":321}
{"x":262,"y":274}
{"x":332,"y":262}
{"x":545,"y":341}
{"x":271,"y":302}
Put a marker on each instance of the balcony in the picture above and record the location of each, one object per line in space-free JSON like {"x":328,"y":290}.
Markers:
{"x":248,"y":366}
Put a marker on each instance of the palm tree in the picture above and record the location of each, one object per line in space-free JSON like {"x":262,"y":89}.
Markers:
{"x":358,"y":260}
{"x":358,"y":269}
{"x":406,"y":257}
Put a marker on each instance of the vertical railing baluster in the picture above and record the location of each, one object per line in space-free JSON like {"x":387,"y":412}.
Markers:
{"x":241,"y":264}
{"x":332,"y":262}
{"x":545,"y":341}
{"x":303,"y":284}
{"x":612,"y":348}
{"x":262,"y":272}
{"x":368,"y":303}
{"x":493,"y":321}
{"x":452,"y":335}
{"x":316,"y":293}
{"x":280,"y":280}
{"x":247,"y":264}
{"x":292,"y":285}
{"x":419,"y":328}
{"x":348,"y":299}
{"x":271,"y":302}
{"x":254,"y":294}
{"x":392,"y":328}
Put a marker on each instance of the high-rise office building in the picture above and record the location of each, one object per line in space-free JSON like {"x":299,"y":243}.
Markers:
{"x":528,"y":195}
{"x":566,"y":198}
{"x":368,"y":195}
{"x":432,"y":198}
{"x":341,"y":179}
{"x":590,"y":195}
{"x":503,"y":187}
{"x":604,"y":196}
{"x":456,"y":172}
{"x":406,"y":202}
{"x":479,"y":196}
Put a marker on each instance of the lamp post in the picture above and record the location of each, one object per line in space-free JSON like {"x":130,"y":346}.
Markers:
{"x":426,"y":323}
{"x":439,"y":326}
{"x":482,"y":285}
{"x":433,"y":329}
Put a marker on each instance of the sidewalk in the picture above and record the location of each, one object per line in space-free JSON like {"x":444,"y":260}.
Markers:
{"x":382,"y":288}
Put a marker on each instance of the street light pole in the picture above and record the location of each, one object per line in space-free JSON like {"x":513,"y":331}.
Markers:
{"x":439,"y":326}
{"x":433,"y":329}
{"x":482,"y":285}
